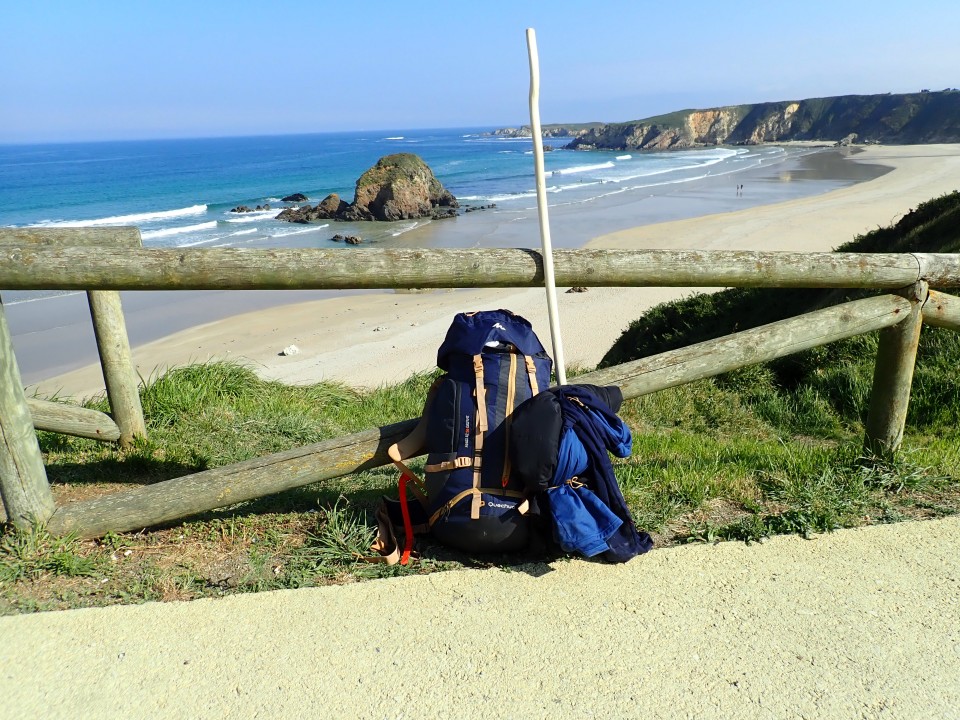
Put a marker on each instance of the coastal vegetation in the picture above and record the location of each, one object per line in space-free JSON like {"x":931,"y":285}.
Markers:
{"x":898,"y":118}
{"x":775,"y":448}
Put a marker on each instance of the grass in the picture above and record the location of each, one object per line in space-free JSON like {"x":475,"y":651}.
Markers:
{"x":710,"y":462}
{"x":767,"y":450}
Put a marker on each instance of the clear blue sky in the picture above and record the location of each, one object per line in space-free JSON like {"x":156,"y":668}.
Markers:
{"x":98,"y":70}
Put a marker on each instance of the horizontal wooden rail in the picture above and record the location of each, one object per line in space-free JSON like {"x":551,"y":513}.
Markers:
{"x":114,"y":237}
{"x":180,"y":497}
{"x":938,"y":268}
{"x":942,"y":310}
{"x":86,"y":268}
{"x":72,"y":420}
{"x":767,"y":342}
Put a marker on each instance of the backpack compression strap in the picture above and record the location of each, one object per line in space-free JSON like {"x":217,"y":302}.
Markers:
{"x":507,"y":414}
{"x":478,"y":442}
{"x":532,"y":374}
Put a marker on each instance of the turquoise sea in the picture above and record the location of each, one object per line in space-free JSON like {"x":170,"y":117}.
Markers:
{"x":180,"y":192}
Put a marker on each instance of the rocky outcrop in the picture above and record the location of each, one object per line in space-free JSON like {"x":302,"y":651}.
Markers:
{"x":296,"y":197}
{"x":332,"y":205}
{"x":923,"y":117}
{"x":348,"y":239}
{"x":398,"y":187}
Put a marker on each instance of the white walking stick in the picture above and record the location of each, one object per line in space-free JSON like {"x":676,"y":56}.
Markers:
{"x":542,"y":207}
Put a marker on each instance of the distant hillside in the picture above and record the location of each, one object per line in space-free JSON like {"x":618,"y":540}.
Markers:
{"x":923,"y":117}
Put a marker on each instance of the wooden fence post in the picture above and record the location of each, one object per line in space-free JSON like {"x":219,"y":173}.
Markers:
{"x":892,"y":377}
{"x":117,"y":363}
{"x":23,"y":480}
{"x":108,"y":324}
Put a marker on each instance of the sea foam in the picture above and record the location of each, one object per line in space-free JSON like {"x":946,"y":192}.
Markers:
{"x":133,"y":219}
{"x":151,"y":234}
{"x":252,"y":216}
{"x":583,"y":168}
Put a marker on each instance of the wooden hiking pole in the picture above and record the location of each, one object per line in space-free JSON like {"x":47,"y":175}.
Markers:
{"x":545,"y":244}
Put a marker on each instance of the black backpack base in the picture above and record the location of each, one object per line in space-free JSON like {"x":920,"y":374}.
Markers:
{"x":506,"y":533}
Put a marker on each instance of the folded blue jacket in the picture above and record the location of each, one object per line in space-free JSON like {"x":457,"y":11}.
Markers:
{"x":581,"y":523}
{"x":566,"y":432}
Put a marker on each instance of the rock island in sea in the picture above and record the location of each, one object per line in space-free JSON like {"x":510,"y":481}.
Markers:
{"x":399,"y":187}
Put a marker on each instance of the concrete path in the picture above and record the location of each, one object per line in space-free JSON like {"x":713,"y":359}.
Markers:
{"x":855,"y":624}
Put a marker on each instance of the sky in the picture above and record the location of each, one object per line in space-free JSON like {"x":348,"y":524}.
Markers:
{"x":98,"y":70}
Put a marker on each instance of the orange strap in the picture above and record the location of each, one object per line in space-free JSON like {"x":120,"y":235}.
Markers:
{"x":384,"y":545}
{"x":523,"y":508}
{"x":480,"y":430}
{"x":461,"y":462}
{"x":417,"y":485}
{"x":407,"y":524}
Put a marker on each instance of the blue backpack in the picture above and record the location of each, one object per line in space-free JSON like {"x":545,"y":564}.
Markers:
{"x":469,"y":499}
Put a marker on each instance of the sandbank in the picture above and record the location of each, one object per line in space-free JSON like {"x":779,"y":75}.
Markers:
{"x":380,"y":338}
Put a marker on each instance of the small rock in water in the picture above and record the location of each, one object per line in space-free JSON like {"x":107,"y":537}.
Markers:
{"x":290,"y":350}
{"x":349,"y":239}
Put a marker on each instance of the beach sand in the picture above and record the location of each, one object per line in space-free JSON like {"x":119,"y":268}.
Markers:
{"x":380,"y":338}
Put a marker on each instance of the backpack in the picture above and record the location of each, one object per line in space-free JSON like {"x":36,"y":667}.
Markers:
{"x":468,"y":498}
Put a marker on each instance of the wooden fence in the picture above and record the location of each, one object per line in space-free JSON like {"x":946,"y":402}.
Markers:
{"x":898,"y":315}
{"x":110,"y":330}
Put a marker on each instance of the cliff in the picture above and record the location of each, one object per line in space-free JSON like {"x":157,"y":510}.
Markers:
{"x":924,"y":117}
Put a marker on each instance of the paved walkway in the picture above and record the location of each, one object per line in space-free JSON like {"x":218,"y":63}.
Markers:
{"x":855,"y":624}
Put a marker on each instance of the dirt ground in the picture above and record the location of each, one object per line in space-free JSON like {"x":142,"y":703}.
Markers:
{"x":859,"y":623}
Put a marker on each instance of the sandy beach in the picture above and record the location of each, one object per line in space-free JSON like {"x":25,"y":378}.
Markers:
{"x":378,"y":338}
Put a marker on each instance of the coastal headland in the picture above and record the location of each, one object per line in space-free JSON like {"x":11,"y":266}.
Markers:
{"x":902,"y":118}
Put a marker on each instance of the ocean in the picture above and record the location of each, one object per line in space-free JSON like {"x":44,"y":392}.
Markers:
{"x":180,"y":192}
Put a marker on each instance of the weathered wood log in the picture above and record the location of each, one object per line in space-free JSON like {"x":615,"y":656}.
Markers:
{"x":108,"y":324}
{"x":244,"y":268}
{"x":712,"y":357}
{"x":70,"y":236}
{"x":23,"y":480}
{"x":72,"y":420}
{"x":938,"y":269}
{"x":892,"y":378}
{"x":942,"y":310}
{"x":117,"y":363}
{"x":181,"y":497}
{"x":219,"y":487}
